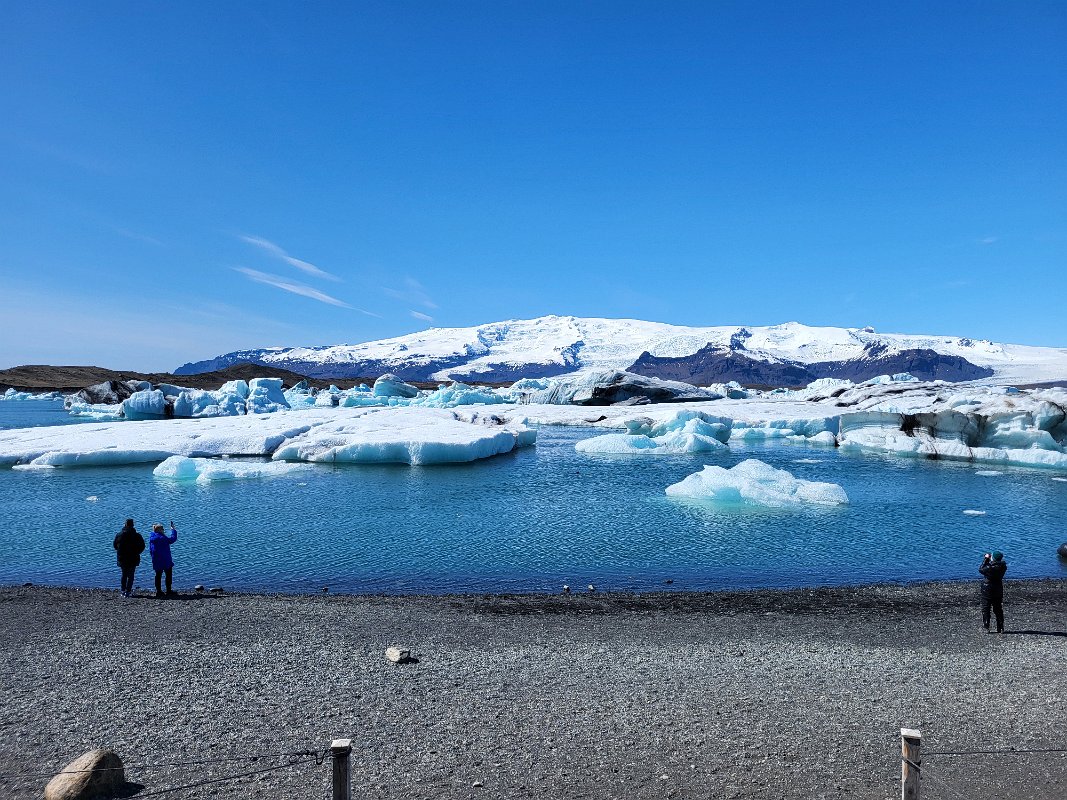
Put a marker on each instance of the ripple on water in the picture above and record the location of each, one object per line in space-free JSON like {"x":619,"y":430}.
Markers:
{"x":531,"y":521}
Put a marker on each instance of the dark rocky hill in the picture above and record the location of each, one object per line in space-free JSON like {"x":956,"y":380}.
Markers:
{"x":723,"y":364}
{"x":47,"y":378}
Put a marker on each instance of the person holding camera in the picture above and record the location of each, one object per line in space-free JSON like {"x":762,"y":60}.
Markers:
{"x":162,"y":561}
{"x":993,"y":568}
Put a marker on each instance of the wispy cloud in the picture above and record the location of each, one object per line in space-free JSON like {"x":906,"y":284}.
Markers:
{"x":88,"y":163}
{"x":287,"y":285}
{"x":413,"y":292}
{"x":988,"y":240}
{"x":139,"y":237}
{"x":278,"y":252}
{"x":420,"y":315}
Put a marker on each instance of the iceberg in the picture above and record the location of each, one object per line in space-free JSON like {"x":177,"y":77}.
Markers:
{"x":386,"y":435}
{"x":14,"y":394}
{"x":209,"y":470}
{"x":389,"y":385}
{"x":459,"y":394}
{"x":406,"y":436}
{"x":604,"y":388}
{"x":752,"y":482}
{"x":688,"y":431}
{"x":147,"y":404}
{"x":100,"y":412}
{"x":265,"y":396}
{"x":233,"y":398}
{"x":978,"y":424}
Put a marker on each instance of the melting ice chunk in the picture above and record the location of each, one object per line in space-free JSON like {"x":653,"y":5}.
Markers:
{"x":207,"y":470}
{"x":685,"y":432}
{"x":752,"y":482}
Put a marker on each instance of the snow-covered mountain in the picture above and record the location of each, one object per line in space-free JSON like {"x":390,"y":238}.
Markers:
{"x":788,"y":354}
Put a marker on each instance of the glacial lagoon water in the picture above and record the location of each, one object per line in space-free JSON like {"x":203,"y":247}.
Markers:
{"x":533,"y":520}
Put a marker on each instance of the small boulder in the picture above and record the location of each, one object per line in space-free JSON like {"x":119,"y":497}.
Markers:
{"x":94,"y":776}
{"x":397,"y":655}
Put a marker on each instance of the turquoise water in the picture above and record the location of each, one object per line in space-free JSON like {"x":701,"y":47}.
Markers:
{"x":35,"y":413}
{"x":534,"y":520}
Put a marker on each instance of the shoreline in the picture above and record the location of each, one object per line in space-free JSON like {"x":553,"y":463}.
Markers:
{"x":576,"y":591}
{"x":753,"y":694}
{"x":695,"y":600}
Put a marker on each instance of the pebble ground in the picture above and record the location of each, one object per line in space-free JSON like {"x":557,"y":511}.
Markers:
{"x":725,"y":695}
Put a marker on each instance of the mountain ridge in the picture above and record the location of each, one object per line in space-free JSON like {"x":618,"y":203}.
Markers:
{"x":554,"y":345}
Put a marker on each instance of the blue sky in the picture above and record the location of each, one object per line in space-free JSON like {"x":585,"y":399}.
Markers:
{"x":185,"y":179}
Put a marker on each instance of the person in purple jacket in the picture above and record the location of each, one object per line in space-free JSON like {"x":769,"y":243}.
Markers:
{"x":162,"y":561}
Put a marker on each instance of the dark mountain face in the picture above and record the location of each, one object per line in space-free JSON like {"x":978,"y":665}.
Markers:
{"x":712,"y":364}
{"x":721,"y":365}
{"x":708,"y":365}
{"x":924,"y":364}
{"x":417,"y":370}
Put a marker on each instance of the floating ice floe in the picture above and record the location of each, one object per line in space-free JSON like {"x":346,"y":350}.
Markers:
{"x":405,"y":435}
{"x":101,"y":412}
{"x":459,"y":394}
{"x":972,"y":512}
{"x":208,"y":470}
{"x":14,"y":394}
{"x":809,"y":430}
{"x":752,"y":482}
{"x":988,"y":473}
{"x":685,"y":432}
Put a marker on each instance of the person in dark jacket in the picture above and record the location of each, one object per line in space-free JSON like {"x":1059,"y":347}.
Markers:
{"x":993,"y":568}
{"x":129,"y":545}
{"x":162,"y":561}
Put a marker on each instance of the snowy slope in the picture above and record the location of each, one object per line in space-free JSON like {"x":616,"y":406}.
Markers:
{"x":552,"y":345}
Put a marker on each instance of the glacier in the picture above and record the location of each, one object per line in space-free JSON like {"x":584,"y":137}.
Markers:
{"x":752,"y":482}
{"x":556,"y":345}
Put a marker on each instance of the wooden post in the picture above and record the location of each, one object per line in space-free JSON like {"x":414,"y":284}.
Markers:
{"x":910,"y":741}
{"x":341,"y":749}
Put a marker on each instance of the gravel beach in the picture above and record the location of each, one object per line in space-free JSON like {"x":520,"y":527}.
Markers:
{"x":744,"y":694}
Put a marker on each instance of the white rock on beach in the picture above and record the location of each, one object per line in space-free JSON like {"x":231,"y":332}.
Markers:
{"x":96,"y":774}
{"x":397,"y":655}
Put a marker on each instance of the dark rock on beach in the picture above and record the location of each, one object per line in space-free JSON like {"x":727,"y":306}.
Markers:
{"x":770,"y":694}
